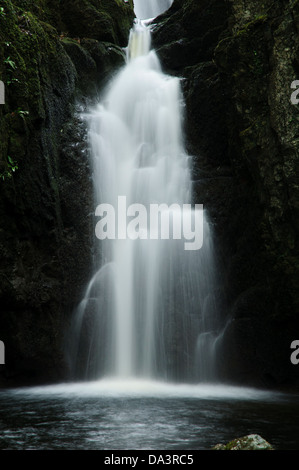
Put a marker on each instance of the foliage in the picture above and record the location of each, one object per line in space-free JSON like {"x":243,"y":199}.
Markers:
{"x":12,"y":167}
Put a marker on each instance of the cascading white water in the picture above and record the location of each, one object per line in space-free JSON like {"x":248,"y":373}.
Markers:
{"x":149,"y":310}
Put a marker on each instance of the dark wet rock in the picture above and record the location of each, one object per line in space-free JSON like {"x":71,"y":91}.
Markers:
{"x":237,"y":62}
{"x":46,"y":207}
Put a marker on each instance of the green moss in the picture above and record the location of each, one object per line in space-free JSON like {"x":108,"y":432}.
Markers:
{"x":39,"y":74}
{"x":250,"y":442}
{"x":246,"y":131}
{"x":109,"y":20}
{"x":259,"y":19}
{"x":40,"y":68}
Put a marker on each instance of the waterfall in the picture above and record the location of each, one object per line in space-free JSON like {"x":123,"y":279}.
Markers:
{"x":149,"y":310}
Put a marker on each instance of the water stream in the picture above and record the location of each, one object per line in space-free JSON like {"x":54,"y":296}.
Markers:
{"x":149,"y":310}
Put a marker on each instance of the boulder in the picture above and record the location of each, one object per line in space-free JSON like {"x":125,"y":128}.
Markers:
{"x":250,"y":442}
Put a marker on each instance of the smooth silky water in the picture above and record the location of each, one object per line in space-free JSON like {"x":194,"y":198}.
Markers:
{"x":144,"y":342}
{"x":150,"y":310}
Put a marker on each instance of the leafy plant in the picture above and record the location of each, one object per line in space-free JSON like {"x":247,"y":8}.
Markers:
{"x":22,"y":113}
{"x":10,"y":62}
{"x":12,"y":80}
{"x":12,"y":167}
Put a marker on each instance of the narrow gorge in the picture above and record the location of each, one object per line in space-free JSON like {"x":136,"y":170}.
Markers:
{"x":183,"y":102}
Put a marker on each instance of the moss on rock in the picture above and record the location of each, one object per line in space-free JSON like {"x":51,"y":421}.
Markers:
{"x":105,"y":20}
{"x":45,"y":205}
{"x":250,"y":442}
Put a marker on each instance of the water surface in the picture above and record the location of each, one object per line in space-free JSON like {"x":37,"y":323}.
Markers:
{"x":140,"y":415}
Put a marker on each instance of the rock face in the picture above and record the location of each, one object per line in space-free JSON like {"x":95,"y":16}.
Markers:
{"x":237,"y":61}
{"x":55,"y":57}
{"x":250,"y":442}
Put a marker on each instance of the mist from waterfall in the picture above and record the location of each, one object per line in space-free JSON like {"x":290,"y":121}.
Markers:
{"x":149,"y":310}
